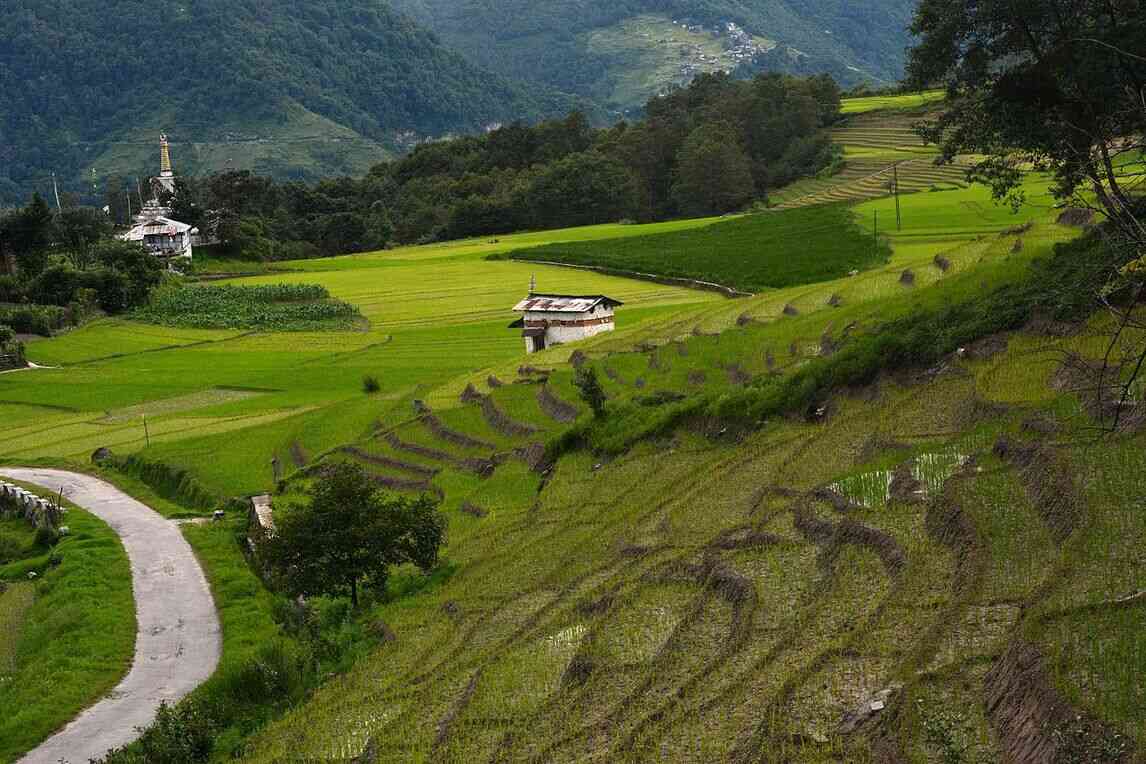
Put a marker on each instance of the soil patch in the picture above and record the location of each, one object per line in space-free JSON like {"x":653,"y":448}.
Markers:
{"x":440,"y":430}
{"x":554,"y":407}
{"x":502,"y":422}
{"x":1048,"y":480}
{"x":1034,"y":722}
{"x":478,"y":466}
{"x":386,"y":461}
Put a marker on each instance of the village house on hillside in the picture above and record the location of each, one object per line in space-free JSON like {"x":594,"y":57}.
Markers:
{"x":154,"y":229}
{"x":555,"y":319}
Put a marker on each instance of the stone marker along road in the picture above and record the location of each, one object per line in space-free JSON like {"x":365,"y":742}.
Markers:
{"x":177,"y":644}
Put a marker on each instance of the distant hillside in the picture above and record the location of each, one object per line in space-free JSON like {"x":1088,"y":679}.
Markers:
{"x":620,"y":52}
{"x":296,"y":88}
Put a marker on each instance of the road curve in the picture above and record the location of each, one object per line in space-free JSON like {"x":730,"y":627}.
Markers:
{"x":177,"y":645}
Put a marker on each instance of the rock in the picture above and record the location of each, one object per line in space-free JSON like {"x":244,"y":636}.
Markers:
{"x":102,"y":455}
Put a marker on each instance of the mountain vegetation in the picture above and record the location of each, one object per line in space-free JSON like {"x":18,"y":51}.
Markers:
{"x":552,"y":42}
{"x":759,"y":133}
{"x":335,"y":85}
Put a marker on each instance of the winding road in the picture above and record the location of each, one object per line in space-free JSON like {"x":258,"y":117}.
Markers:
{"x":177,"y":645}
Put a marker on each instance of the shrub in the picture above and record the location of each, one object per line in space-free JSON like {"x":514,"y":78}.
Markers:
{"x":370,"y":385}
{"x":43,"y":320}
{"x":10,"y":549}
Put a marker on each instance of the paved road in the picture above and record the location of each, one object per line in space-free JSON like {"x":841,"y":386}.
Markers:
{"x":177,"y":646}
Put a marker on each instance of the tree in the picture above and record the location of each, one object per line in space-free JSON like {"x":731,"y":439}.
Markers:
{"x":1055,"y":86}
{"x":714,"y":173}
{"x":1045,"y":83}
{"x":589,"y":387}
{"x":350,"y":534}
{"x":77,"y":229}
{"x":582,"y":189}
{"x":27,"y":233}
{"x":142,"y":270}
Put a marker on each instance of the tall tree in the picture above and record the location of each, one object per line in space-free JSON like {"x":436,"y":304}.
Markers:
{"x":28,"y":235}
{"x":78,"y":229}
{"x":1058,"y":85}
{"x":714,"y":173}
{"x":350,"y":534}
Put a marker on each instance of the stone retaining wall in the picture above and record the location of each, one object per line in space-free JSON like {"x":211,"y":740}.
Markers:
{"x":20,"y":503}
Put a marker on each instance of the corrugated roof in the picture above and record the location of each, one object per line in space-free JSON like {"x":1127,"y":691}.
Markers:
{"x":564,"y":303}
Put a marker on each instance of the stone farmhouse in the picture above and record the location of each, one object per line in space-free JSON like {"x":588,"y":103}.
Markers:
{"x":556,"y":319}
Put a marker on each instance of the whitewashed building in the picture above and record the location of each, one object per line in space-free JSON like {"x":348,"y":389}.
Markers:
{"x":163,"y":237}
{"x":556,"y":319}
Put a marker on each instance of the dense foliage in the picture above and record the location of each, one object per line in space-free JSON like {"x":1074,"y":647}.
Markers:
{"x":1057,"y":85}
{"x":59,"y":267}
{"x":767,"y":250}
{"x":706,"y":149}
{"x":546,"y":41}
{"x":228,"y":71}
{"x":281,"y":307}
{"x":351,"y":534}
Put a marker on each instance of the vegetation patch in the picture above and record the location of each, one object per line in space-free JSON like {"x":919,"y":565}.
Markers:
{"x":753,"y":253}
{"x":270,"y":307}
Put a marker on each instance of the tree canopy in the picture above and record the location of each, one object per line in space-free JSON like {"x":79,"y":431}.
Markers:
{"x":1043,"y":82}
{"x":350,"y":534}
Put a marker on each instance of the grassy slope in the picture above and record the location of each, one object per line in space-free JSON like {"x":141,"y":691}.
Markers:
{"x":579,"y":625}
{"x":435,"y":313}
{"x":753,"y":253}
{"x":588,"y":627}
{"x":77,"y":636}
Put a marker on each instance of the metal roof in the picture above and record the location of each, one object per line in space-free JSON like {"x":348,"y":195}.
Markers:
{"x":564,"y":303}
{"x":157,"y":226}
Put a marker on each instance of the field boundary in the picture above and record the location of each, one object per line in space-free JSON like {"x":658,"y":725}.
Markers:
{"x":706,"y":286}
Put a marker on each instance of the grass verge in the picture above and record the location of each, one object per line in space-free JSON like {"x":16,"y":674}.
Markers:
{"x":77,"y":636}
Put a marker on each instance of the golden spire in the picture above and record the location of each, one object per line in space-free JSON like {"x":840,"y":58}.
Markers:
{"x":164,"y":156}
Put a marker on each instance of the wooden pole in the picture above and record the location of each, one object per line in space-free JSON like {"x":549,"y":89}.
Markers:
{"x":146,"y":432}
{"x":898,"y":218}
{"x":875,"y":231}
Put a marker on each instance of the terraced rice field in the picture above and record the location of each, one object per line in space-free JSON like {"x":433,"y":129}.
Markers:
{"x":816,"y":592}
{"x":879,"y":148}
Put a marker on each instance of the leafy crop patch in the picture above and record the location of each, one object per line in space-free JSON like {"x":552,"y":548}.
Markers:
{"x":270,"y":307}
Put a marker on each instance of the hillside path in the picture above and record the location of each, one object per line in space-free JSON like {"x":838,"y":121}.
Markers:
{"x":177,"y":644}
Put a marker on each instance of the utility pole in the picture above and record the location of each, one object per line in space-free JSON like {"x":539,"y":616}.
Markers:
{"x":56,"y":189}
{"x":127,"y":195}
{"x":898,"y":217}
{"x":146,"y":432}
{"x":875,"y":231}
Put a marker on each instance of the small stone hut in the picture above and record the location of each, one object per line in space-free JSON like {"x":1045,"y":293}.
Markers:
{"x":555,"y":319}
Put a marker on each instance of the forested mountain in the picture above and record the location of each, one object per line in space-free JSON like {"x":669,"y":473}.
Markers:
{"x":287,"y":87}
{"x":620,"y":52}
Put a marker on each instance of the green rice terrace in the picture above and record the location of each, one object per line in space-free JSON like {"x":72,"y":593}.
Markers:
{"x":860,"y":515}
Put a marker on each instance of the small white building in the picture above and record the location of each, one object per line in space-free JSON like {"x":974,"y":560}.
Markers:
{"x":163,"y":237}
{"x":555,"y":319}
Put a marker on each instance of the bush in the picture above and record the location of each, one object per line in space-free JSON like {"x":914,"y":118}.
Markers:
{"x":10,"y":549}
{"x":370,"y":385}
{"x":43,"y":320}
